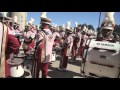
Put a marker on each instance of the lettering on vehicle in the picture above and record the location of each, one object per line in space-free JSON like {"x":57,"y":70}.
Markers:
{"x":105,"y":44}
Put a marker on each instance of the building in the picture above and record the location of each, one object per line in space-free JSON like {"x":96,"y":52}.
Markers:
{"x":22,"y":18}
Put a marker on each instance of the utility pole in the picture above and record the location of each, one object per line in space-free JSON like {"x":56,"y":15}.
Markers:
{"x":99,"y":19}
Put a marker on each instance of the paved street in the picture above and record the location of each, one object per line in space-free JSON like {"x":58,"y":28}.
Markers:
{"x":73,"y":70}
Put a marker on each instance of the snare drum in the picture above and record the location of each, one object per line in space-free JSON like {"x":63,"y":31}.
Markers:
{"x":20,"y":55}
{"x":16,"y":67}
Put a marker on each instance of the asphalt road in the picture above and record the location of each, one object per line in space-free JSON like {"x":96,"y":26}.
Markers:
{"x":73,"y":69}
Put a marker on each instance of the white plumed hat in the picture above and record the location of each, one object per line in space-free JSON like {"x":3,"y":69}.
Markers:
{"x":3,"y":14}
{"x":63,"y":26}
{"x":84,"y":28}
{"x":68,"y":25}
{"x":44,"y":18}
{"x":108,"y":21}
{"x":15,"y":19}
{"x":43,"y":15}
{"x":27,"y":24}
{"x":76,"y":24}
{"x":32,"y":19}
{"x":68,"y":29}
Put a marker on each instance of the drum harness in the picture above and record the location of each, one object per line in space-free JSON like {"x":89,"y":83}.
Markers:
{"x":39,"y":42}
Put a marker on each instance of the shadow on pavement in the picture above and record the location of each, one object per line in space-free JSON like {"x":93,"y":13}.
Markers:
{"x":76,"y":63}
{"x":60,"y":74}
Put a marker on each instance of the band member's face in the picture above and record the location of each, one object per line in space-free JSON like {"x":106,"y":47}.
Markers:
{"x":106,"y":32}
{"x":14,"y":26}
{"x":28,"y":28}
{"x":68,"y":33}
{"x":7,"y":23}
{"x":77,"y":30}
{"x":83,"y":33}
{"x":1,"y":19}
{"x":53,"y":29}
{"x":17,"y":27}
{"x":10,"y":23}
{"x":44,"y":25}
{"x":25,"y":27}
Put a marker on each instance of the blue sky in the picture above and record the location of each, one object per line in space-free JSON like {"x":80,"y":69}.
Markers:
{"x":61,"y":18}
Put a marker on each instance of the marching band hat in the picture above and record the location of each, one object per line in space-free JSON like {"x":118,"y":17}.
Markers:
{"x":27,"y":25}
{"x":44,"y":18}
{"x":4,"y":15}
{"x":108,"y":21}
{"x":68,"y":29}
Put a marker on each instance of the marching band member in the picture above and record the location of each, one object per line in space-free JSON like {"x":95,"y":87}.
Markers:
{"x":17,"y":31}
{"x":9,"y":23}
{"x":103,"y":53}
{"x":18,"y":34}
{"x":62,"y":35}
{"x":76,"y":44}
{"x":8,"y":45}
{"x":55,"y":31}
{"x":62,"y":31}
{"x":107,"y":27}
{"x":28,"y":35}
{"x":83,"y":40}
{"x":43,"y":51}
{"x":88,"y":33}
{"x":67,"y":48}
{"x":56,"y":35}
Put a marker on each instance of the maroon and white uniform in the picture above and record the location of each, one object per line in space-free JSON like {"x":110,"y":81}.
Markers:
{"x":12,"y":31}
{"x":62,"y":34}
{"x":76,"y":45}
{"x":79,"y":34}
{"x":9,"y":44}
{"x":56,"y":34}
{"x":17,"y":32}
{"x":18,"y":36}
{"x":66,"y":52}
{"x":43,"y":51}
{"x":35,"y":31}
{"x":29,"y":40}
{"x":84,"y":37}
{"x":83,"y":42}
{"x":56,"y":41}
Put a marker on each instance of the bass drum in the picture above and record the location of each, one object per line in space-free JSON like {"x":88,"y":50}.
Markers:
{"x":16,"y":67}
{"x":101,"y":58}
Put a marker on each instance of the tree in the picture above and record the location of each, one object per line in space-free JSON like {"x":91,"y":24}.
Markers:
{"x":60,"y":27}
{"x":91,"y":27}
{"x":117,"y":29}
{"x":88,"y":26}
{"x":98,"y":29}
